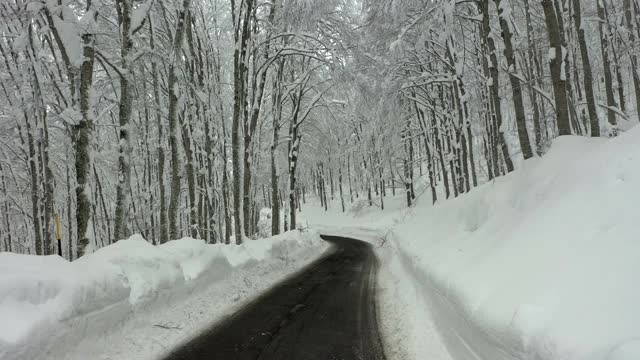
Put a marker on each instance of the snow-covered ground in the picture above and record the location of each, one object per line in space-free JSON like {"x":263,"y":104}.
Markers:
{"x":133,"y":300}
{"x":539,"y":264}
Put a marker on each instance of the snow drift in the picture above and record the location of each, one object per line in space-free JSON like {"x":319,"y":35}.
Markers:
{"x":38,"y":294}
{"x":540,"y":264}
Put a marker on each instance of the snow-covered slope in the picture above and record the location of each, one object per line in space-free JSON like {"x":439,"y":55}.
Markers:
{"x":540,"y":264}
{"x":51,"y":308}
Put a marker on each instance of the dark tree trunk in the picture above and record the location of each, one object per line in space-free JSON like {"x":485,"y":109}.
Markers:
{"x":586,"y":70}
{"x":559,"y":78}
{"x":516,"y":89}
{"x":629,"y":23}
{"x":83,"y":143}
{"x":494,"y":83}
{"x":606,"y":63}
{"x":173,"y":121}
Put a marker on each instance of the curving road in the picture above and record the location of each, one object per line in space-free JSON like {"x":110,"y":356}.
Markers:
{"x":326,"y":312}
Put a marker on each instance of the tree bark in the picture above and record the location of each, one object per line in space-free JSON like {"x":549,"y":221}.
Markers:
{"x":629,"y":23}
{"x":558,"y":75}
{"x":123,"y":194}
{"x":516,"y":89}
{"x":242,"y":33}
{"x":164,"y":233}
{"x":606,"y":64}
{"x":83,"y":145}
{"x":277,"y":114}
{"x":173,"y":85}
{"x":494,"y":83}
{"x":594,"y":122}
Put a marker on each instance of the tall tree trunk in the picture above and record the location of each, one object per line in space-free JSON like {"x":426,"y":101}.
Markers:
{"x":35,"y":188}
{"x":7,"y":223}
{"x":629,"y":23}
{"x":242,"y":34}
{"x":324,"y":187}
{"x":164,"y":233}
{"x":260,"y":80}
{"x":472,"y":161}
{"x":516,"y":89}
{"x":277,"y":112}
{"x":225,"y":199}
{"x":123,"y":195}
{"x":423,"y":126}
{"x":440,"y":150}
{"x":294,"y":146}
{"x":606,"y":63}
{"x":406,"y":165}
{"x":349,"y":178}
{"x":176,"y":55}
{"x":340,"y":187}
{"x":558,"y":75}
{"x":69,"y":208}
{"x":614,"y":57}
{"x":594,"y":122}
{"x":494,"y":83}
{"x":83,"y":145}
{"x":187,"y":137}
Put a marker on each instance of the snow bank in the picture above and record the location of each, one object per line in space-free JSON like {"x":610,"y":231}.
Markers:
{"x":40,"y":294}
{"x":540,"y":264}
{"x":543,"y":263}
{"x":37,"y":290}
{"x":195,"y":257}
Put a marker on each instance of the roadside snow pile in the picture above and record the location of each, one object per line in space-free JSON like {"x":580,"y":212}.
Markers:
{"x":35,"y":290}
{"x":38,"y":294}
{"x":196,"y":257}
{"x":540,"y":264}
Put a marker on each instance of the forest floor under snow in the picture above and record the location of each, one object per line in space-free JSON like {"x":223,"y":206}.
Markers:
{"x":539,"y":264}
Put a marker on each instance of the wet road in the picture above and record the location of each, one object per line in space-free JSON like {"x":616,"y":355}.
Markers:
{"x":326,"y":312}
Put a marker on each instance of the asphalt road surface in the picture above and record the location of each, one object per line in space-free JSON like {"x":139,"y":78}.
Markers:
{"x":326,"y":312}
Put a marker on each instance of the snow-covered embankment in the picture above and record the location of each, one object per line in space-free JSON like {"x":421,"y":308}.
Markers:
{"x":105,"y":303}
{"x":539,"y":264}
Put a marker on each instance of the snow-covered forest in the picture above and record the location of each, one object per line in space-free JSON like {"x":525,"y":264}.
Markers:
{"x":397,"y":179}
{"x":188,"y":118}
